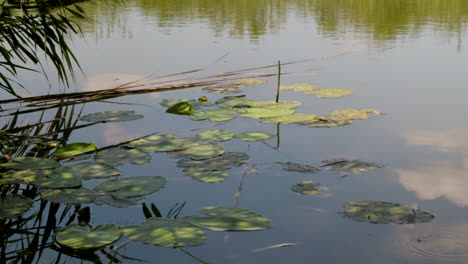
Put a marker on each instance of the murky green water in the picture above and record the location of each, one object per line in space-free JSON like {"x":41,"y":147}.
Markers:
{"x":407,"y":59}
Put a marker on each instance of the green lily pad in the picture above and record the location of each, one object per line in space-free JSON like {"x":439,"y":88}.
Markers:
{"x":228,"y":219}
{"x":121,"y":155}
{"x":270,"y":104}
{"x":249,"y":81}
{"x":205,"y":175}
{"x":182,"y":108}
{"x":14,"y":205}
{"x":290,"y":119}
{"x":231,"y":101}
{"x":296,"y":167}
{"x":74,"y":149}
{"x":214,"y":115}
{"x":69,"y":196}
{"x":132,"y":186}
{"x":118,"y":202}
{"x":354,"y":114}
{"x":197,"y":104}
{"x":299,"y":87}
{"x":165,"y":232}
{"x":306,"y":188}
{"x":216,"y":135}
{"x":326,"y":122}
{"x":226,"y":89}
{"x":111,"y":116}
{"x":200,"y":151}
{"x":226,"y":161}
{"x":31,"y":163}
{"x":345,"y":166}
{"x":255,"y":136}
{"x":329,"y":93}
{"x":61,"y":177}
{"x":85,"y":237}
{"x":156,"y":143}
{"x":384,"y":213}
{"x":93,"y":170}
{"x":262,"y":112}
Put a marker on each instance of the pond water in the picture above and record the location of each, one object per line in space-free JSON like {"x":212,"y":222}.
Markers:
{"x":407,"y":59}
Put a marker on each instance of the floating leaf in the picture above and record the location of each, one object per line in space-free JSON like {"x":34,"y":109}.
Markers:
{"x":270,"y":104}
{"x":290,"y":119}
{"x":229,"y":219}
{"x":249,"y":81}
{"x":326,"y":122}
{"x":121,"y":155}
{"x":299,"y":87}
{"x":165,"y":232}
{"x":205,"y":175}
{"x":156,"y":143}
{"x":383,"y":213}
{"x":216,"y":135}
{"x":69,"y":196}
{"x":264,"y":112}
{"x":255,"y":136}
{"x":119,"y":202}
{"x":195,"y":103}
{"x":182,"y":108}
{"x":291,"y":166}
{"x":31,"y":163}
{"x":203,"y":99}
{"x":330,"y":92}
{"x":223,"y":162}
{"x":348,"y":166}
{"x":231,"y":101}
{"x":226,"y":89}
{"x":14,"y":205}
{"x":200,"y":151}
{"x":215,"y":115}
{"x":306,"y":188}
{"x":93,"y":170}
{"x":74,"y":149}
{"x":85,"y":237}
{"x":132,"y":186}
{"x":111,"y":116}
{"x":61,"y":177}
{"x":354,"y":114}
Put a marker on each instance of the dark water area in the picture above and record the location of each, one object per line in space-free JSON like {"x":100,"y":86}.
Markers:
{"x":407,"y":59}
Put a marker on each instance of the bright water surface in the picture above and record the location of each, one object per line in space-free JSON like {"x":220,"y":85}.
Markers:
{"x":407,"y":59}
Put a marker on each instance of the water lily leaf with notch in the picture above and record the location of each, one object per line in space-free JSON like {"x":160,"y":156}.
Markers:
{"x":384,"y":213}
{"x":290,"y":119}
{"x":214,"y":115}
{"x":69,"y":196}
{"x":132,"y":186}
{"x":74,"y":149}
{"x":348,"y":166}
{"x":85,"y":237}
{"x":216,"y":135}
{"x":14,"y":205}
{"x":229,"y":219}
{"x":262,"y":112}
{"x":200,"y":151}
{"x":249,"y":81}
{"x":119,"y":202}
{"x":197,"y":104}
{"x":182,"y":108}
{"x":326,"y":122}
{"x":226,"y":161}
{"x":354,"y":114}
{"x":255,"y":136}
{"x":165,"y":232}
{"x":306,"y":188}
{"x":62,"y":177}
{"x":111,"y":116}
{"x":120,"y":155}
{"x":296,"y":167}
{"x":329,"y":93}
{"x":205,"y":175}
{"x":93,"y":170}
{"x":31,"y":163}
{"x":224,"y":89}
{"x":231,"y":101}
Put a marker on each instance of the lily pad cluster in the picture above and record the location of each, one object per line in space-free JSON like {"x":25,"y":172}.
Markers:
{"x":307,"y":88}
{"x":377,"y":212}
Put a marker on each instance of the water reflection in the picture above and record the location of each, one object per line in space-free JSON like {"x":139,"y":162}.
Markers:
{"x":375,"y":20}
